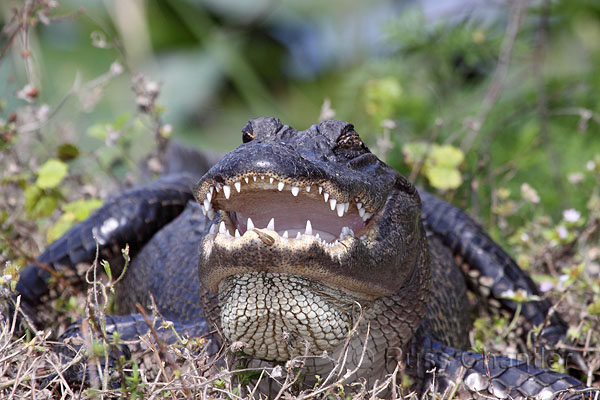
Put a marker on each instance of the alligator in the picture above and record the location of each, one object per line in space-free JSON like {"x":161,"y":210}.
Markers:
{"x":294,"y":240}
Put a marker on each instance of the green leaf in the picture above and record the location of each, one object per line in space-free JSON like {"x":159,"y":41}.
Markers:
{"x":446,"y":155}
{"x":505,"y":208}
{"x":382,"y":96}
{"x":18,"y":178}
{"x":32,"y":196}
{"x":74,"y":212}
{"x":82,"y":208}
{"x":121,"y":121}
{"x":415,"y":152}
{"x":63,"y":224}
{"x":51,"y":174}
{"x":39,"y":203}
{"x":45,"y":206}
{"x":99,"y":131}
{"x":442,"y":177}
{"x":439,"y":163}
{"x":594,"y":308}
{"x":67,"y":151}
{"x":106,"y":265}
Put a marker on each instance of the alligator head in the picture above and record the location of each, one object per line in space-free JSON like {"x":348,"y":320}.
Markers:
{"x":307,"y":228}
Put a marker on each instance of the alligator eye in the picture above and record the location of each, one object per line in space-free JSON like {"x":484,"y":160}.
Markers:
{"x":247,"y":137}
{"x":350,"y":145}
{"x":247,"y":133}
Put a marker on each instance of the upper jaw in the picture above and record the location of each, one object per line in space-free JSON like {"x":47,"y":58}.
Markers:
{"x":285,"y":207}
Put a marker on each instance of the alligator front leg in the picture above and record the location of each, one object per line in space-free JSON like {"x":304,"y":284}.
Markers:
{"x":131,"y":218}
{"x":467,"y":374}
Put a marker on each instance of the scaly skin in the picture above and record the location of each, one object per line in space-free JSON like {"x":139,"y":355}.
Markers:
{"x":285,"y":296}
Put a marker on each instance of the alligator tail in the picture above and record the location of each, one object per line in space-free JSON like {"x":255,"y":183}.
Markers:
{"x":131,"y":218}
{"x":465,"y":374}
{"x":491,"y":270}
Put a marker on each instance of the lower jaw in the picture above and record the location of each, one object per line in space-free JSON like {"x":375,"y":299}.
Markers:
{"x":223,"y":255}
{"x":279,"y":316}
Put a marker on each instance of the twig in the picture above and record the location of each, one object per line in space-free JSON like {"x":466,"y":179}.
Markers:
{"x":17,"y":380}
{"x":163,"y":348}
{"x":25,"y":38}
{"x":474,"y":125}
{"x":542,"y":97}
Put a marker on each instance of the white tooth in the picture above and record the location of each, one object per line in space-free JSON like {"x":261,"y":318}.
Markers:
{"x":345,"y":230}
{"x":218,"y":188}
{"x":361,"y":211}
{"x":308,"y":230}
{"x":206,"y":204}
{"x":280,"y":186}
{"x":326,"y":195}
{"x":271,"y":224}
{"x":254,"y":178}
{"x":340,"y":210}
{"x":298,"y":236}
{"x":238,"y":186}
{"x":211,"y":190}
{"x":209,"y":196}
{"x":213,"y":229}
{"x":227,"y":191}
{"x":320,"y":189}
{"x":366,"y":216}
{"x":271,"y":180}
{"x":237,"y":234}
{"x":222,"y":228}
{"x":227,"y":234}
{"x":295,"y":190}
{"x":359,"y":205}
{"x":332,"y":203}
{"x":350,"y":231}
{"x":262,"y":177}
{"x":317,"y":237}
{"x":211,"y":214}
{"x":203,"y":210}
{"x":285,"y":235}
{"x":246,"y":179}
{"x":346,"y":206}
{"x":249,"y":225}
{"x":342,"y":235}
{"x":308,"y":188}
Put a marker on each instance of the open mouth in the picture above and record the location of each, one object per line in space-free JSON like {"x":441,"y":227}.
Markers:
{"x":275,"y":209}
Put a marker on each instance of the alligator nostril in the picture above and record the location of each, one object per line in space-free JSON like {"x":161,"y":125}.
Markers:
{"x":263,"y":164}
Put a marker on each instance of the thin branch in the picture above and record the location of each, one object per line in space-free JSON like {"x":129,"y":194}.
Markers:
{"x":474,"y":125}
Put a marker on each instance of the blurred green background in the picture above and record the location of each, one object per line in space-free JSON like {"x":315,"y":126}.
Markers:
{"x":469,"y":99}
